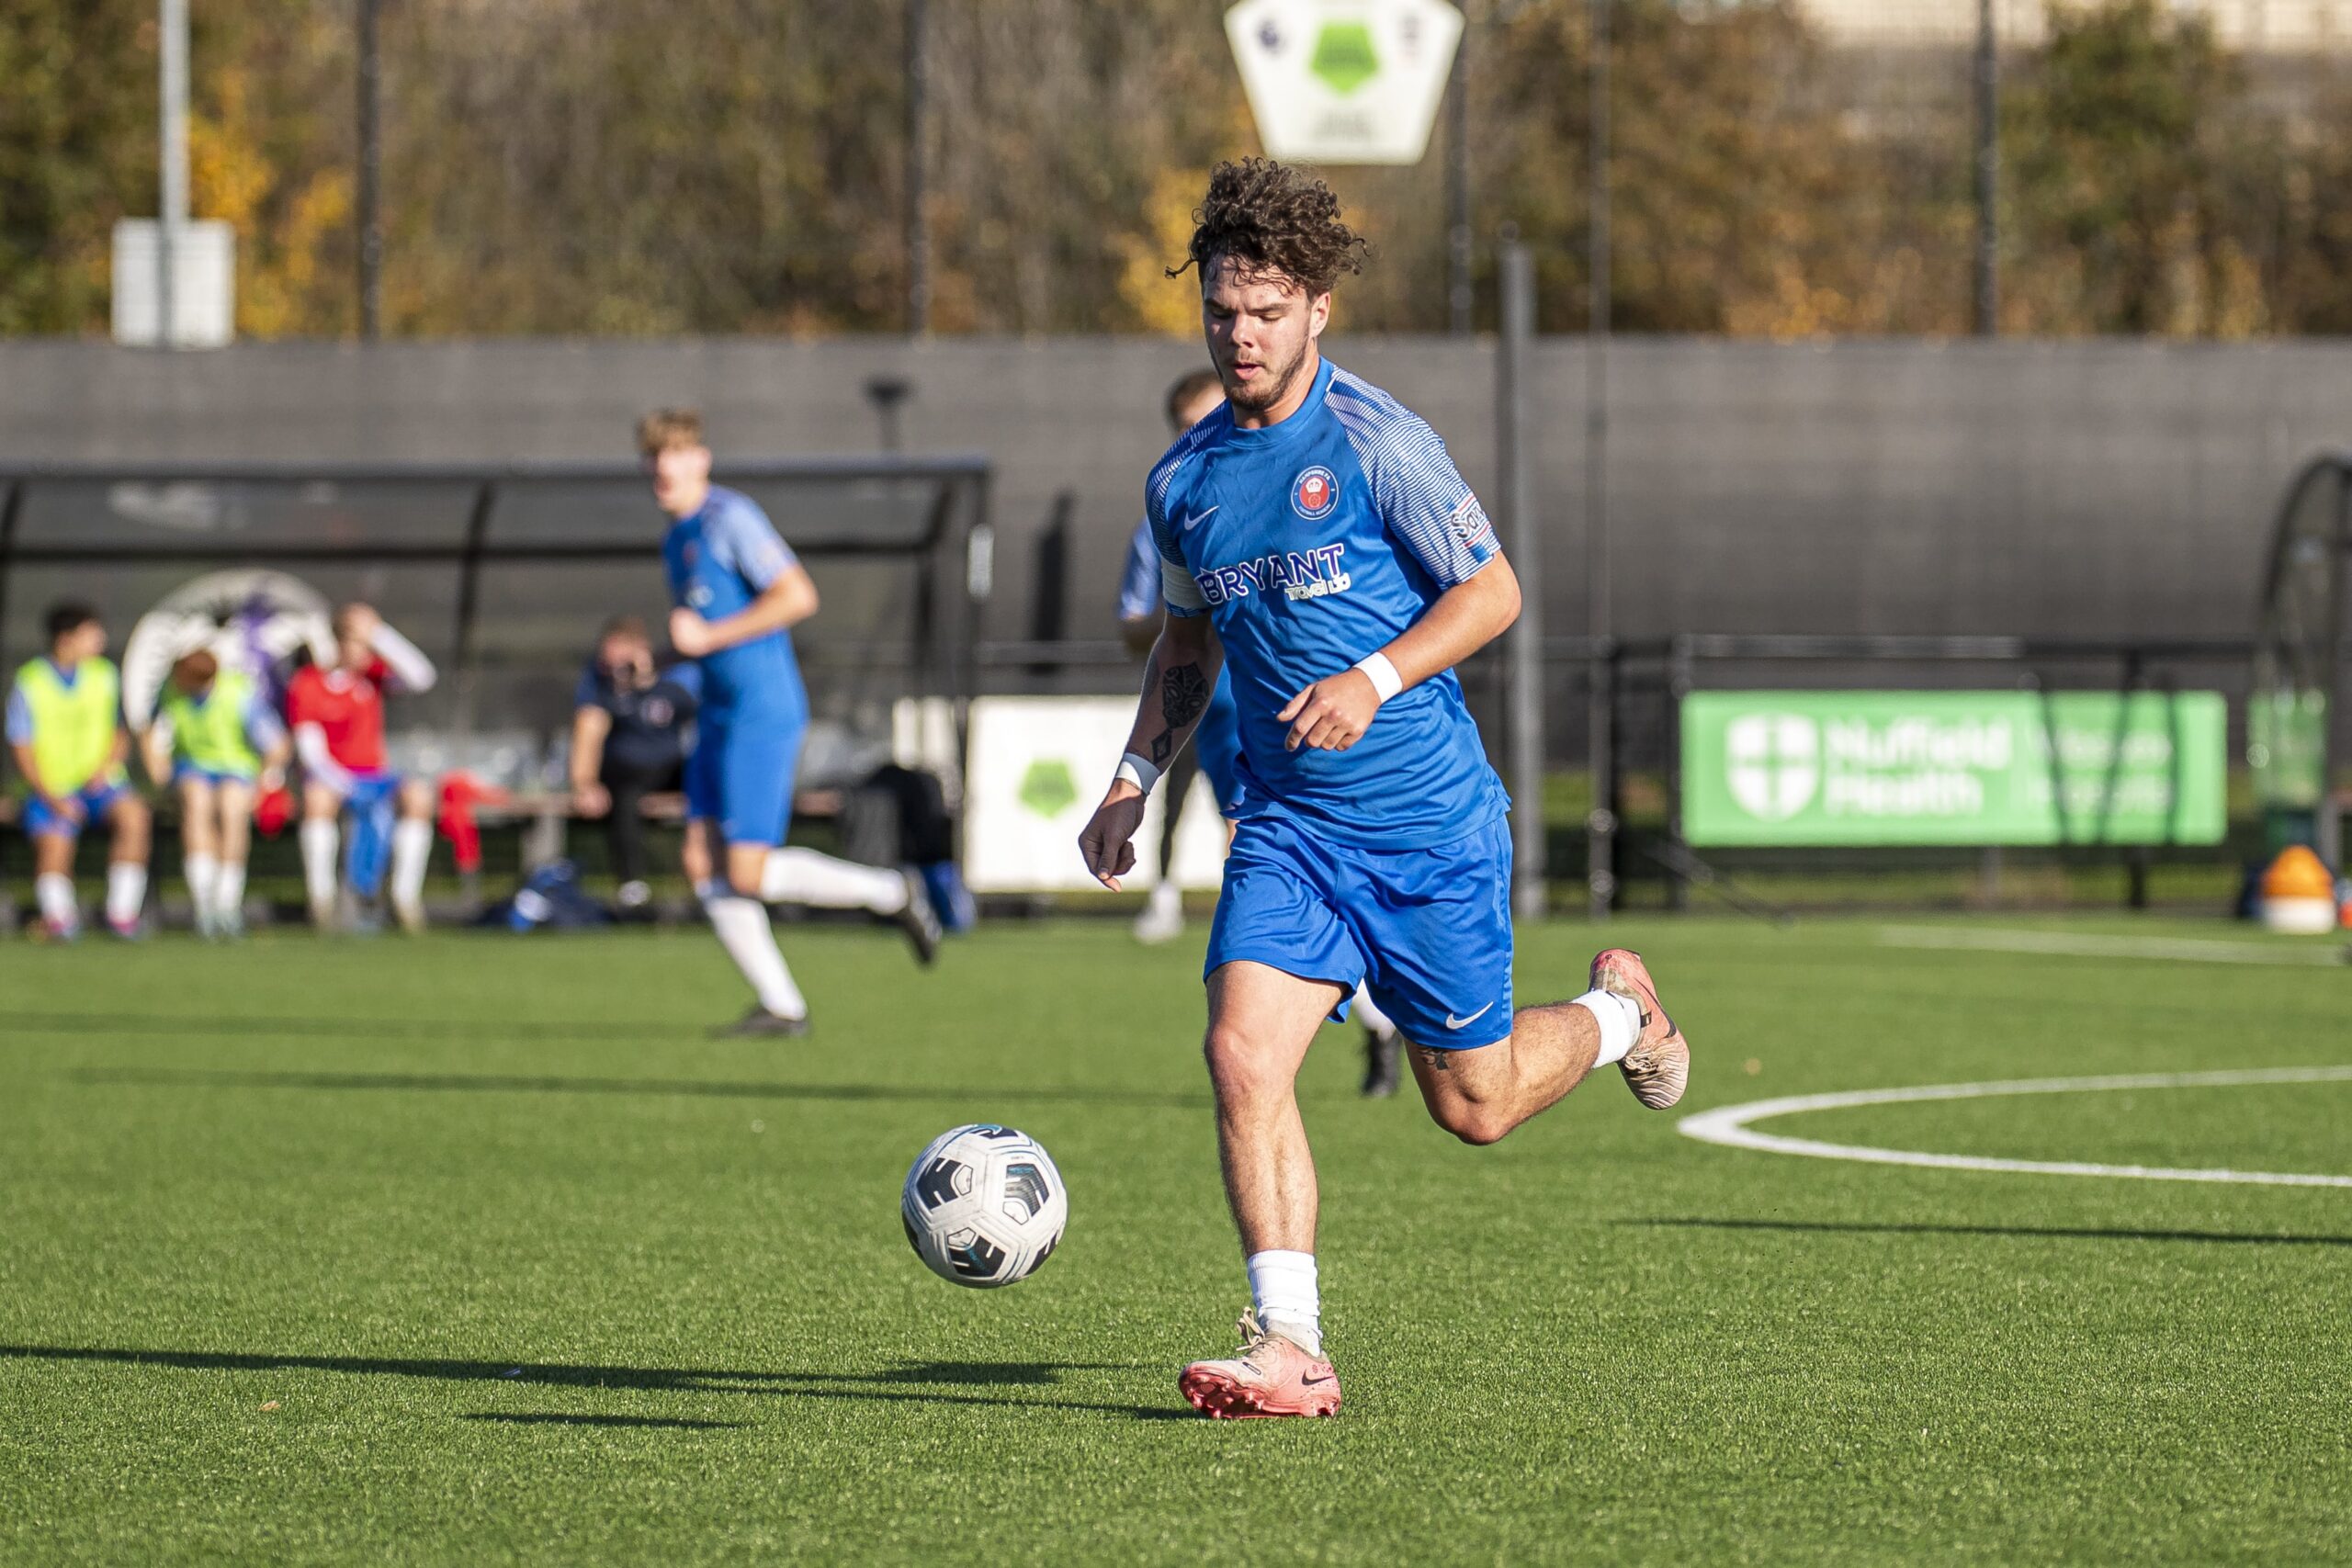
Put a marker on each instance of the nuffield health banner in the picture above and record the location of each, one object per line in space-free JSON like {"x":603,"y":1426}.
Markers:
{"x":1820,"y":768}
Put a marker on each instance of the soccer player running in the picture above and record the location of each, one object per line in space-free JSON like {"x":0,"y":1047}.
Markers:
{"x":65,"y":726}
{"x":337,"y":714}
{"x":1319,"y":542}
{"x":217,"y":742}
{"x":739,"y":590}
{"x":1217,"y":746}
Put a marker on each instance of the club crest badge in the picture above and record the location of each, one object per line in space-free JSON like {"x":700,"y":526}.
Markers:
{"x":1314,"y":494}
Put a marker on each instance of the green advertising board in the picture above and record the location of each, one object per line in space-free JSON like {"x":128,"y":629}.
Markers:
{"x":1827,"y":768}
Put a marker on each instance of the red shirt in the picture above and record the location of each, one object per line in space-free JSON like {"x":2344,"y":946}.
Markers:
{"x":348,"y":706}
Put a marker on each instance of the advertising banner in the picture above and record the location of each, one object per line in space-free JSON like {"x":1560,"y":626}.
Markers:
{"x":1887,"y":768}
{"x":1038,"y":768}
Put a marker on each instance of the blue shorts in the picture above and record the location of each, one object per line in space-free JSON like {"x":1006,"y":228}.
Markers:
{"x":1217,"y":744}
{"x":739,"y":775}
{"x":97,"y":798}
{"x":373,"y":801}
{"x":188,"y":772}
{"x":1428,"y":931}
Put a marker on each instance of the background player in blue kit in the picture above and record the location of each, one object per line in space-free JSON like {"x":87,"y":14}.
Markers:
{"x":1318,"y":542}
{"x":1216,"y":749}
{"x":738,"y":591}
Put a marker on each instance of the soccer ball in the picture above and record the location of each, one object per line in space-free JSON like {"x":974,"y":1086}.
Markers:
{"x":983,"y":1205}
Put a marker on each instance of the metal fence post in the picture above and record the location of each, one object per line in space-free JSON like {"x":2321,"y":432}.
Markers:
{"x":1526,"y":727}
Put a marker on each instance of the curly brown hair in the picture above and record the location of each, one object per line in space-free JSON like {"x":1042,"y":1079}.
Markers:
{"x":1271,"y":220}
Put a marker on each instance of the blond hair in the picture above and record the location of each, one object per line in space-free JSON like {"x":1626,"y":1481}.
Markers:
{"x":665,"y":428}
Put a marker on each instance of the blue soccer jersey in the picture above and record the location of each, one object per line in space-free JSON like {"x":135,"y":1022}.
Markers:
{"x":1312,"y":543}
{"x":720,"y":560}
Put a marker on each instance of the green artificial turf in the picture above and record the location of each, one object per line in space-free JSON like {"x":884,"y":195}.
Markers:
{"x":472,"y":1249}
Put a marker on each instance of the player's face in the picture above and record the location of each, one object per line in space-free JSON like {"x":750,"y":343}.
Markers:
{"x":87,"y":640}
{"x":1199,"y":408}
{"x":1261,"y":332}
{"x":680,"y":477}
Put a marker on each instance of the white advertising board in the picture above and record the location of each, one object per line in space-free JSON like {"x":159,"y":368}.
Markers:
{"x":1344,"y":81}
{"x":1038,"y":767}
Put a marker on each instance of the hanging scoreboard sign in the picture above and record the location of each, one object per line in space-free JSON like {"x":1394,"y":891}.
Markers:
{"x":1344,"y":81}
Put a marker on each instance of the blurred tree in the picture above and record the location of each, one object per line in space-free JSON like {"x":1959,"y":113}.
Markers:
{"x":650,"y":166}
{"x":77,"y":151}
{"x":2121,"y":135}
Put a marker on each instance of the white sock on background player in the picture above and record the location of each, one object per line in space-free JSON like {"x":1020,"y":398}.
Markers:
{"x":411,"y":851}
{"x":742,"y":928}
{"x":229,"y":891}
{"x":804,"y":876}
{"x":203,"y":872}
{"x":1620,"y":1023}
{"x":321,"y":841}
{"x":126,"y":891}
{"x":1282,"y":1288}
{"x":53,"y":891}
{"x":1367,"y":1012}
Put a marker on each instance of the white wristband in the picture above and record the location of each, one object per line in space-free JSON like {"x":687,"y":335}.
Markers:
{"x":1385,"y":679}
{"x":1138,"y":772}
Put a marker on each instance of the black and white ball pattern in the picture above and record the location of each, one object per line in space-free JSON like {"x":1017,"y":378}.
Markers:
{"x":983,"y":1205}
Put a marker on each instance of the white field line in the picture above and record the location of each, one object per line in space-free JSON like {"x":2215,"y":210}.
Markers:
{"x":2084,"y":944}
{"x":1730,"y":1126}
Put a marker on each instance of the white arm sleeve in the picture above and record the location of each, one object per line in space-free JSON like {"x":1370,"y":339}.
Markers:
{"x":409,"y":666}
{"x":311,"y":745}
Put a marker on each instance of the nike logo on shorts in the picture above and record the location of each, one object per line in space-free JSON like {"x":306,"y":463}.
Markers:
{"x":1198,"y":518}
{"x":1454,"y":1022}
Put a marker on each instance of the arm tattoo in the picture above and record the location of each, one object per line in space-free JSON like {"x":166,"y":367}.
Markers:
{"x":1184,"y":698}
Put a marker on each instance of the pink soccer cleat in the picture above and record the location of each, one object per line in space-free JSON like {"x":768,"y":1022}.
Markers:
{"x":1274,"y":1375}
{"x":1657,"y":1068}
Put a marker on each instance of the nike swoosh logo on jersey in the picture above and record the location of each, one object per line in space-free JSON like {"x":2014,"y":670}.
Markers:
{"x":1454,"y":1022}
{"x":1200,"y":517}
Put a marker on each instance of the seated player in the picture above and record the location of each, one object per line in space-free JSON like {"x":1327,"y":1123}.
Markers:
{"x":219,"y":745}
{"x":1216,"y":749}
{"x":65,"y":727}
{"x":739,"y":590}
{"x":337,"y":714}
{"x":631,"y":724}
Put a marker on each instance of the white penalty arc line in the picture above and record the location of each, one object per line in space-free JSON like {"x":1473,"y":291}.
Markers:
{"x":1730,"y":1126}
{"x":2087,"y":944}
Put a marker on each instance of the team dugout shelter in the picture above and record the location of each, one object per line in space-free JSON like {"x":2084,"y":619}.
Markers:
{"x":504,"y":574}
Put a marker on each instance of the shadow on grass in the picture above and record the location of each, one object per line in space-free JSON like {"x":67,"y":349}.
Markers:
{"x":507,"y":1418}
{"x":911,"y":1383}
{"x":2046,"y":1233}
{"x":241,"y":1027}
{"x":497,"y":1083}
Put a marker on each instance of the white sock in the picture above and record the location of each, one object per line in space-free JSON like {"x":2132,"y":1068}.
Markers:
{"x":1167,"y":900}
{"x":1368,"y":1014}
{"x":228,"y":892}
{"x":1281,"y":1287}
{"x":1620,"y":1023}
{"x":411,"y":850}
{"x":743,"y":931}
{"x":804,"y":876}
{"x":321,"y":841}
{"x":203,"y":874}
{"x":53,"y":891}
{"x":126,"y":891}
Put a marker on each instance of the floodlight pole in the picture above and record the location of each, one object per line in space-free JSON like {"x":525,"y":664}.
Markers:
{"x":918,"y":223}
{"x":1985,"y":292}
{"x":1601,"y":823}
{"x":1516,"y":265}
{"x":371,"y":182}
{"x":172,"y":203}
{"x":1460,"y":299}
